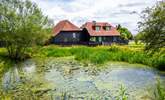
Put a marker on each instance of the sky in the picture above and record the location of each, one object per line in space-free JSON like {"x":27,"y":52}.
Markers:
{"x":124,"y":12}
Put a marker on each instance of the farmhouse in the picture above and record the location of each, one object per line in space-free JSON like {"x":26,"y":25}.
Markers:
{"x":90,"y":33}
{"x":101,"y":32}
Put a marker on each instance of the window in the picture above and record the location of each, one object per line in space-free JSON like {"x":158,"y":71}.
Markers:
{"x":107,"y":28}
{"x":114,"y":39}
{"x":100,"y":39}
{"x":104,"y":38}
{"x":93,"y":39}
{"x":97,"y":28}
{"x":74,"y":35}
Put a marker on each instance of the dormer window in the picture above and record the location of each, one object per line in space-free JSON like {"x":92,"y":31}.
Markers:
{"x":107,"y":28}
{"x":97,"y":28}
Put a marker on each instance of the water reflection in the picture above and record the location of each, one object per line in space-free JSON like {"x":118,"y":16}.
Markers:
{"x":11,"y":77}
{"x":14,"y":75}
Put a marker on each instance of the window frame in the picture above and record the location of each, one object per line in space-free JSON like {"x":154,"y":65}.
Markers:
{"x":74,"y":35}
{"x":97,"y":28}
{"x":107,"y":28}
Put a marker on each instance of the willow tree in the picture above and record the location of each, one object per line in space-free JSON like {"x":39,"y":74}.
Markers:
{"x":22,"y":24}
{"x":153,"y":26}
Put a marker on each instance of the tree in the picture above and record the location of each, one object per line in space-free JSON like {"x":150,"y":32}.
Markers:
{"x":153,"y":26}
{"x":138,"y":37}
{"x":124,"y":32}
{"x":22,"y":25}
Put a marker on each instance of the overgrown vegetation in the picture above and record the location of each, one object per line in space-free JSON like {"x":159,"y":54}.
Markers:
{"x":103,"y":54}
{"x":122,"y":94}
{"x":158,"y":93}
{"x":26,"y":90}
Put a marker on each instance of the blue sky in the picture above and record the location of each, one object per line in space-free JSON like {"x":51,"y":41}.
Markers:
{"x":124,"y":12}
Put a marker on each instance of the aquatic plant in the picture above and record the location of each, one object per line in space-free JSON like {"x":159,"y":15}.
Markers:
{"x":122,"y":94}
{"x":159,"y":93}
{"x":26,"y":90}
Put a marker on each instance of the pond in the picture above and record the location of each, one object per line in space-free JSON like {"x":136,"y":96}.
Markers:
{"x":77,"y":81}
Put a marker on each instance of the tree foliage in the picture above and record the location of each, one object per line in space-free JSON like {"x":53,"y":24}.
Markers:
{"x":138,"y":37}
{"x":153,"y":26}
{"x":22,"y":24}
{"x":125,"y":33}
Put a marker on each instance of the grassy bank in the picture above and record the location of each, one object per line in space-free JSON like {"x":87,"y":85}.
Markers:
{"x":98,"y":55}
{"x":102,"y":54}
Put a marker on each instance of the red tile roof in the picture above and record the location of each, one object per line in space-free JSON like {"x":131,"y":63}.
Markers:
{"x":102,"y":32}
{"x":65,"y":25}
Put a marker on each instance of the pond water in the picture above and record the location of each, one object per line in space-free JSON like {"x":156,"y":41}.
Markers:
{"x":79,"y":81}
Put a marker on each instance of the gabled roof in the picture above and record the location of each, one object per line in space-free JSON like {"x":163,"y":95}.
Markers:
{"x":65,"y":25}
{"x":102,"y":32}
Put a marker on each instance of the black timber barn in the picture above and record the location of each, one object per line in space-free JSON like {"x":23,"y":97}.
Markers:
{"x":67,"y":33}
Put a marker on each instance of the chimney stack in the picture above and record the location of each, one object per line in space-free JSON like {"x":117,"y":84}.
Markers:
{"x":94,"y":22}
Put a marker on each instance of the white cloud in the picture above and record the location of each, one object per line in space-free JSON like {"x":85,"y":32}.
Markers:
{"x":124,"y":12}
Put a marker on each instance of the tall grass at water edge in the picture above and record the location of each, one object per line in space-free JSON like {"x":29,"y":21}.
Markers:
{"x":103,"y":54}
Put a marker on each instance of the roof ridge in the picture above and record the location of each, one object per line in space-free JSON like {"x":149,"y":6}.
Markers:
{"x":64,"y":23}
{"x":73,"y":24}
